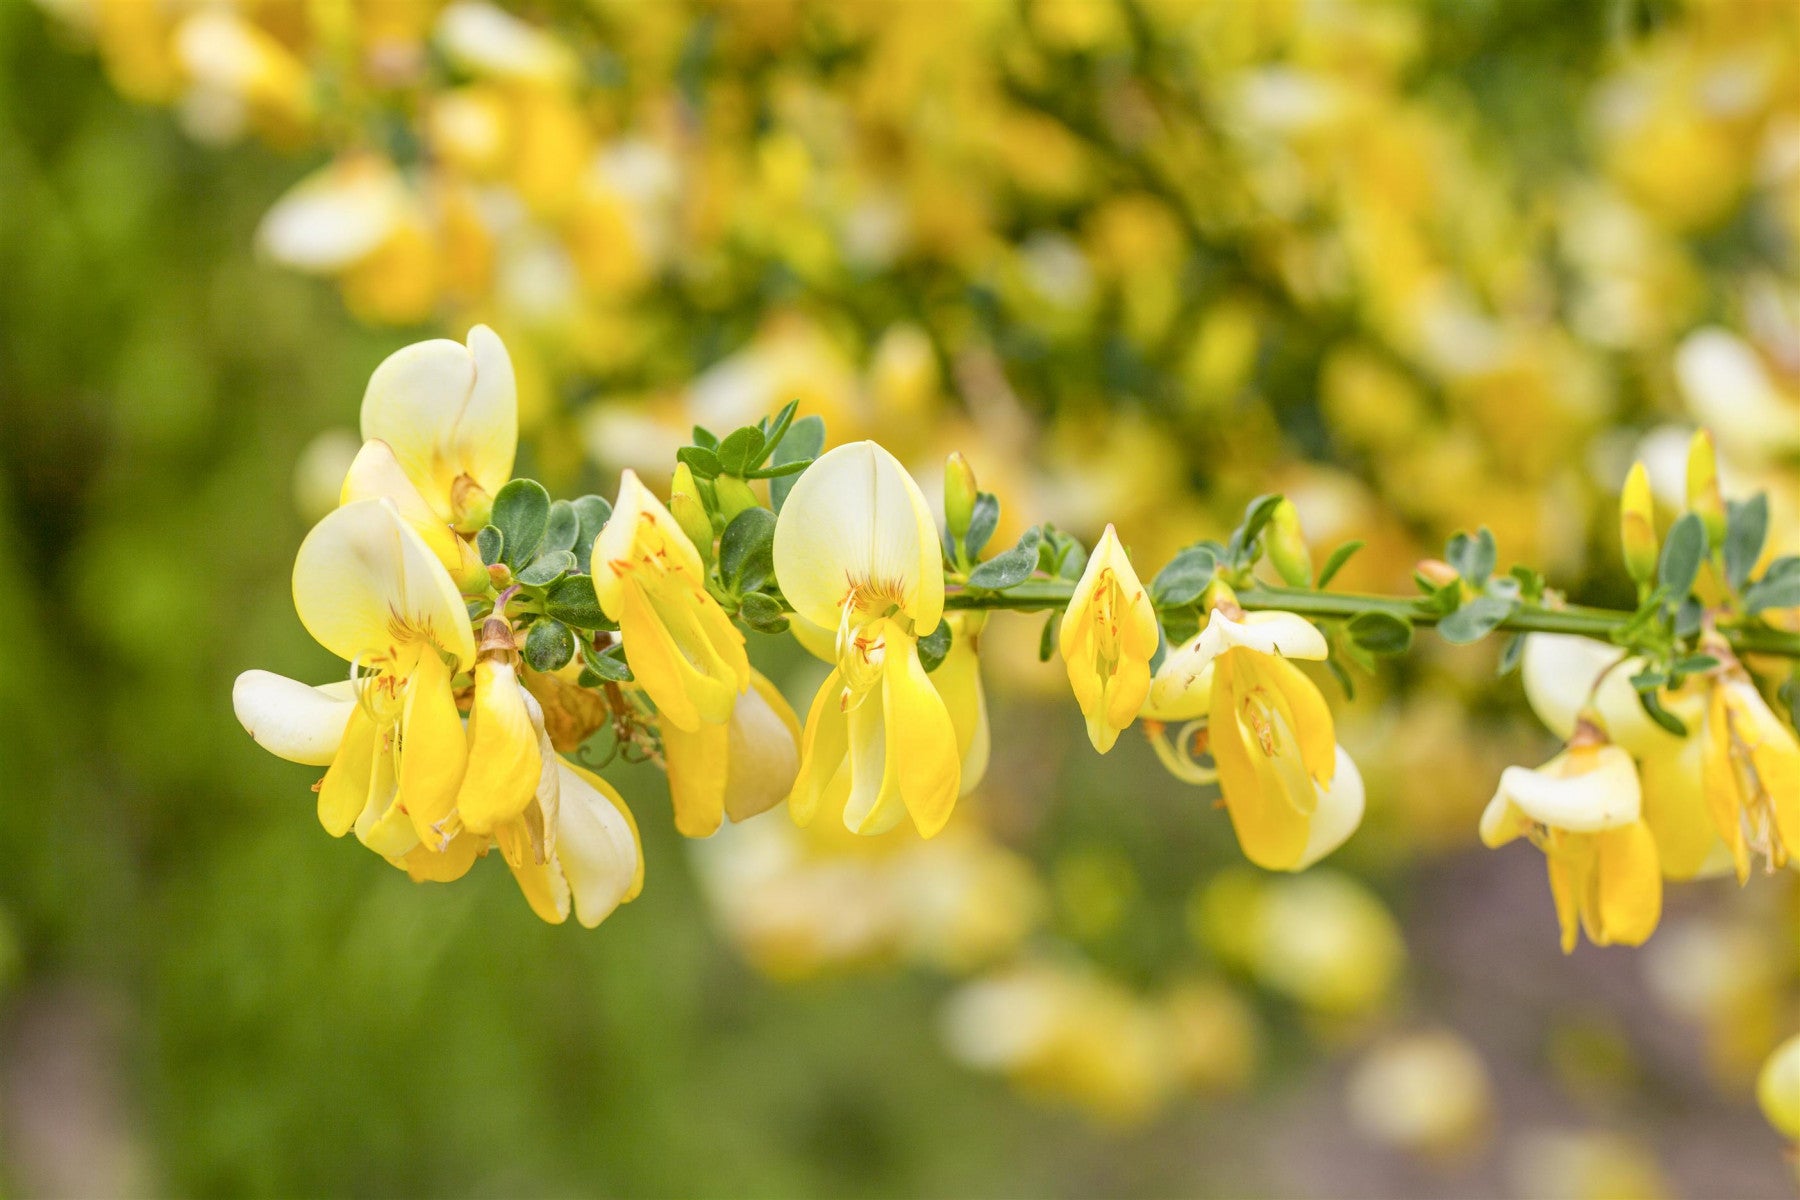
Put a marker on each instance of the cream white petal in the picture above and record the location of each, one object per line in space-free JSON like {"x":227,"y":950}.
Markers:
{"x":484,"y":39}
{"x":596,"y":845}
{"x":1728,"y":389}
{"x":1339,"y":812}
{"x":293,"y":720}
{"x":447,"y":409}
{"x":856,"y":518}
{"x":1607,"y":796}
{"x":1559,"y":672}
{"x":364,"y":582}
{"x":1286,"y":634}
{"x":336,"y":217}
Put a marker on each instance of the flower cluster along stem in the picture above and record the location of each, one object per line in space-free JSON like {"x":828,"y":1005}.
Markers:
{"x":1041,"y":595}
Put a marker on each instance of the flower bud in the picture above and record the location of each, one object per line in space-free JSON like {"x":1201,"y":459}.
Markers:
{"x":1287,"y":546}
{"x":959,"y":494}
{"x":1637,"y":525}
{"x":1703,"y":494}
{"x":1438,"y":571}
{"x":689,"y":511}
{"x":734,"y":496}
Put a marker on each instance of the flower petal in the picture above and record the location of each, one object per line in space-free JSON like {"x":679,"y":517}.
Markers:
{"x":1625,"y":898}
{"x":856,"y":518}
{"x":921,"y":739}
{"x":447,"y":410}
{"x":764,"y":753}
{"x":1339,"y":812}
{"x":1579,"y":791}
{"x":375,"y":474}
{"x":597,"y":845}
{"x":698,"y":763}
{"x":822,"y":750}
{"x":434,"y":750}
{"x":363,"y":580}
{"x":293,"y":720}
{"x":344,"y":792}
{"x":504,"y":759}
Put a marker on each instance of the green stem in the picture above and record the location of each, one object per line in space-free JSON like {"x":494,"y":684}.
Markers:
{"x":1040,"y":595}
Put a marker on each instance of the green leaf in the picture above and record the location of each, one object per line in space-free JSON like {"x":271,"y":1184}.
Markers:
{"x":1256,"y":515}
{"x":592,"y":512}
{"x":1047,"y":639}
{"x":1473,"y":557}
{"x":747,"y":550}
{"x":1654,"y":709}
{"x":489,"y":543}
{"x":1379,"y":632}
{"x":521,"y":511}
{"x":705,"y":438}
{"x":611,"y":666}
{"x":549,"y":645}
{"x":982,"y":520}
{"x":793,"y":468}
{"x":547,"y":568}
{"x":934,"y":646}
{"x":1509,"y":658}
{"x":1180,"y":583}
{"x":563,"y":528}
{"x":803,"y":441}
{"x":1336,"y":562}
{"x":1474,"y":620}
{"x":1343,"y":677}
{"x":1009,"y":569}
{"x":571,"y":600}
{"x":1780,"y":592}
{"x":741,"y":450}
{"x":772,"y":434}
{"x":762,"y":611}
{"x":702,"y":462}
{"x":1681,"y":555}
{"x":1746,"y":529}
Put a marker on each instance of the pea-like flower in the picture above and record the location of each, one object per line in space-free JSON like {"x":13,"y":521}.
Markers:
{"x":684,"y":651}
{"x":1750,"y":772}
{"x":1584,"y":810}
{"x":1109,"y":635}
{"x":1268,"y":731}
{"x":857,"y":551}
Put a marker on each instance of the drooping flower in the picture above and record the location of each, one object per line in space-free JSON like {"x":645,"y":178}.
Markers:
{"x":1109,"y":635}
{"x":856,"y":550}
{"x":1181,"y":696}
{"x":737,"y":769}
{"x":1750,"y":770}
{"x":1584,"y":809}
{"x":1269,"y":732}
{"x":684,"y":651}
{"x":450,"y":415}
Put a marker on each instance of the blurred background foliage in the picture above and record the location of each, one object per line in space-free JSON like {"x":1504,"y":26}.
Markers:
{"x":1423,"y":267}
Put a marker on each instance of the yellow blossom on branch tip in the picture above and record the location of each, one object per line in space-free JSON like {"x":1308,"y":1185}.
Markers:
{"x":737,"y":769}
{"x":1109,"y":634}
{"x":683,"y":650}
{"x":856,"y":551}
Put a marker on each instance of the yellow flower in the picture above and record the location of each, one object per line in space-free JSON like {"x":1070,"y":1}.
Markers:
{"x":369,"y":590}
{"x":1109,"y":635}
{"x":1269,"y":731}
{"x":737,"y":769}
{"x":683,"y":649}
{"x":1583,"y":809}
{"x":450,"y":415}
{"x":1778,"y":1089}
{"x":856,"y":550}
{"x":1751,"y":773}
